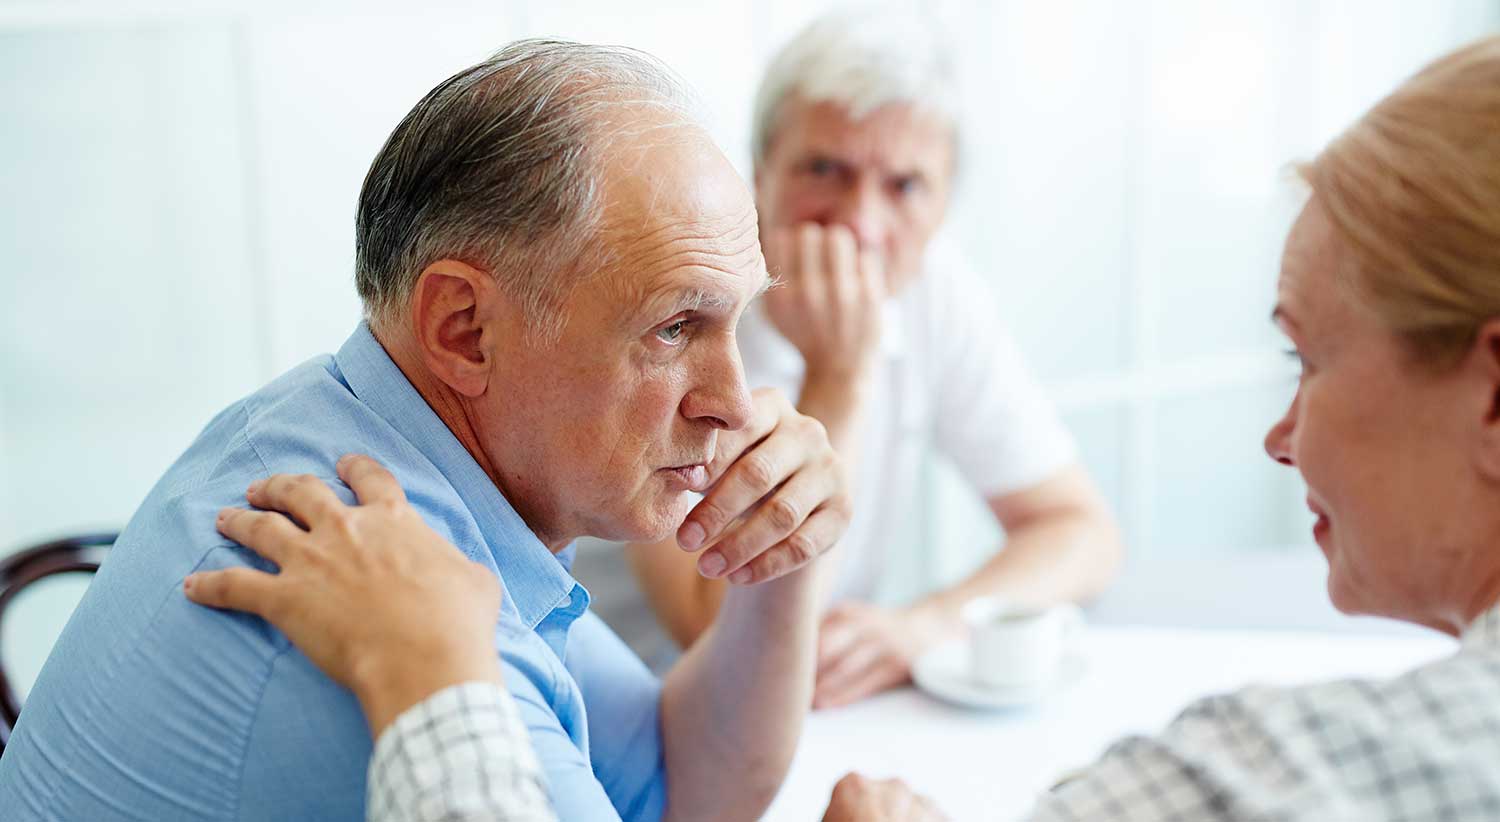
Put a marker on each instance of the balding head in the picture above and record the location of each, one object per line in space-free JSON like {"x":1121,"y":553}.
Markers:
{"x":499,"y":167}
{"x":561,"y":256}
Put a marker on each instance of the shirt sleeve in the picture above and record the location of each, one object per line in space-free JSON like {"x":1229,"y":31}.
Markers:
{"x":1225,"y":757}
{"x":1421,"y":744}
{"x":461,"y":754}
{"x":624,"y":719}
{"x":992,"y":417}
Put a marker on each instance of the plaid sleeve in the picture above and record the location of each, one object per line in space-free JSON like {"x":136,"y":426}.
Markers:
{"x":461,"y":754}
{"x":1420,"y":748}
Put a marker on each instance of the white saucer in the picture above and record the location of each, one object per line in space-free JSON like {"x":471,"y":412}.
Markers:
{"x":945,"y":673}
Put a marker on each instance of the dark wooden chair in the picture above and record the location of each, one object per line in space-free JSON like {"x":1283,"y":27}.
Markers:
{"x":72,"y":555}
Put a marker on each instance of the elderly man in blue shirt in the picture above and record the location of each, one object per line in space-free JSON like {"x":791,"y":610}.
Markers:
{"x":553,"y":259}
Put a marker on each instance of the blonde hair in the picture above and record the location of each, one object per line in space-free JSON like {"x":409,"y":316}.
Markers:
{"x":1414,"y":188}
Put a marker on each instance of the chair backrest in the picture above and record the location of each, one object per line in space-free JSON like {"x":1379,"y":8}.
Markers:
{"x":79,"y":554}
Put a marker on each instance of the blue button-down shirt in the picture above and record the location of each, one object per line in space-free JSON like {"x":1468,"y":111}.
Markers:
{"x":153,"y":708}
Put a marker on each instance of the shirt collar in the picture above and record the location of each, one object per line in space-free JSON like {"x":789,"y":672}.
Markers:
{"x":537,"y":582}
{"x":1484,"y":631}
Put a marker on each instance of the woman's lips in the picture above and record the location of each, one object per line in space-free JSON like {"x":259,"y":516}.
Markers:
{"x":1321,"y":525}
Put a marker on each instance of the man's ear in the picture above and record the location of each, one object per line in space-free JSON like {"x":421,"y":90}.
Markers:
{"x":1483,"y":363}
{"x":454,"y":318}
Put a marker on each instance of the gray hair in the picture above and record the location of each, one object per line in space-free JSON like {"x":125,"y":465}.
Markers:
{"x":861,"y":59}
{"x":498,"y":167}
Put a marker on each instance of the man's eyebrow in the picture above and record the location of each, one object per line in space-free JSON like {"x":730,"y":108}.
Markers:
{"x":692,"y":299}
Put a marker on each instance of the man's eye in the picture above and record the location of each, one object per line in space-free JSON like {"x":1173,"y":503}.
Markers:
{"x":673,"y":332}
{"x":821,"y":168}
{"x":906,"y":185}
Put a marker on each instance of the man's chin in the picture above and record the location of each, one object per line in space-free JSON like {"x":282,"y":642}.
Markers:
{"x":673,"y":510}
{"x":656,"y":521}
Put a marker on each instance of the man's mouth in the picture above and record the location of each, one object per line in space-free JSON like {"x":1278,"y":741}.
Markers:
{"x":692,"y":477}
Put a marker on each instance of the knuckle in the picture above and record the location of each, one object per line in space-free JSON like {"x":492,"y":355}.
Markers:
{"x":301,"y":482}
{"x":801,"y":548}
{"x":817,"y":430}
{"x":783,"y":513}
{"x":771,"y":564}
{"x":711,"y":515}
{"x":776,"y":564}
{"x":257,"y":527}
{"x":317,"y":557}
{"x":758,"y":471}
{"x":341,"y":518}
{"x":734,"y":550}
{"x":388,"y":506}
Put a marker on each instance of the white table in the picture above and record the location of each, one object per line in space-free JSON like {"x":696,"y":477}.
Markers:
{"x":991,"y":766}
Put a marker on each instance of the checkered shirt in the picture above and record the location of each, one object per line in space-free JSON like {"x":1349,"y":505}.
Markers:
{"x":461,"y":755}
{"x":1423,"y":747}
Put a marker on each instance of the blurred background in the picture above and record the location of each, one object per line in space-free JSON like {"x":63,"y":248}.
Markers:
{"x":180,"y":182}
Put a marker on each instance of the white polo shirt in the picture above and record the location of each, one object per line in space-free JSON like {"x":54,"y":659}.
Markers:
{"x":949,"y":377}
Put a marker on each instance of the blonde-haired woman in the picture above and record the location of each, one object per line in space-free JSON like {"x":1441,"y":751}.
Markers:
{"x":1390,"y":292}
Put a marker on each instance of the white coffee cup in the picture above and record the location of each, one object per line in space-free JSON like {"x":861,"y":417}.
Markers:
{"x":1018,"y":646}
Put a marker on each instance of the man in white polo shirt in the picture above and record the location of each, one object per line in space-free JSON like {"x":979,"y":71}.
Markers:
{"x":884,"y":333}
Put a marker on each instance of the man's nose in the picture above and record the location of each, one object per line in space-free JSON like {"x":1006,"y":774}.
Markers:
{"x":721,"y":398}
{"x":864,"y":211}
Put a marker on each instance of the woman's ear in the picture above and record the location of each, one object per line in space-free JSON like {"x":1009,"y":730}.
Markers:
{"x":1483,"y":367}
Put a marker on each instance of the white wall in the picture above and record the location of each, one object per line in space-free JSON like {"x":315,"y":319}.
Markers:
{"x":181,"y":181}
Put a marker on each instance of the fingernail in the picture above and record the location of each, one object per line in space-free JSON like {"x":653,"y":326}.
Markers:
{"x":712,"y":564}
{"x":691,"y":536}
{"x":187,"y":584}
{"x":740,"y":577}
{"x":255,"y":487}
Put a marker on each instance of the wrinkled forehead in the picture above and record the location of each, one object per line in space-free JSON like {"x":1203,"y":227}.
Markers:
{"x":893,"y":136}
{"x":668,"y":171}
{"x":676,"y":215}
